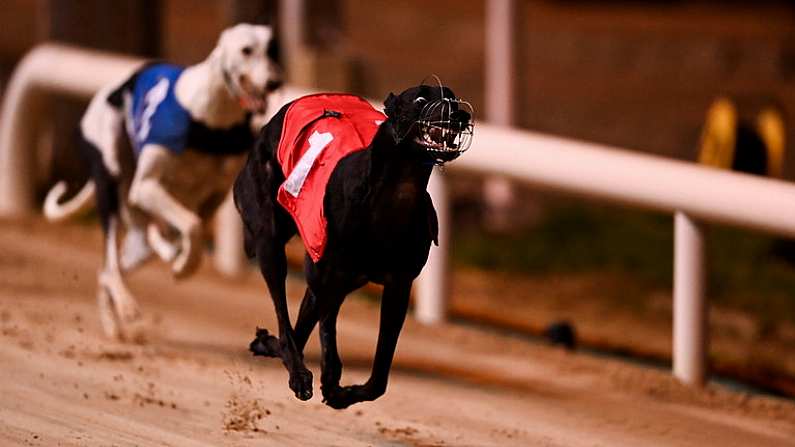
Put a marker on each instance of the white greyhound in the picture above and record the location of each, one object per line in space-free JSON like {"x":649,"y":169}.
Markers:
{"x":164,"y":147}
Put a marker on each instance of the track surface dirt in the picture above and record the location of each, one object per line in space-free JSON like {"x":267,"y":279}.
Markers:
{"x":193,"y":383}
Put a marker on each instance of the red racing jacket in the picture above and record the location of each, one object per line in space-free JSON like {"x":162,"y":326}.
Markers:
{"x":318,"y":131}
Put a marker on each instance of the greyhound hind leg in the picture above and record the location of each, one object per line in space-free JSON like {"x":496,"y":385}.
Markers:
{"x":267,"y":345}
{"x":118,"y":309}
{"x":273,"y":265}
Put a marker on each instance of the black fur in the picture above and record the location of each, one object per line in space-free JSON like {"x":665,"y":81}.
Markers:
{"x":381,"y":223}
{"x":750,"y":154}
{"x":106,"y":186}
{"x":116,"y":97}
{"x":233,"y":140}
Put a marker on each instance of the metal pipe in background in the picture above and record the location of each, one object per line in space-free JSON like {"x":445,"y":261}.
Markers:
{"x":690,"y":303}
{"x":46,"y":70}
{"x":500,"y":93}
{"x":432,"y":286}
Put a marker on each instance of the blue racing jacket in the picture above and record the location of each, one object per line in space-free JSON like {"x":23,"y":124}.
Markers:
{"x":154,"y":116}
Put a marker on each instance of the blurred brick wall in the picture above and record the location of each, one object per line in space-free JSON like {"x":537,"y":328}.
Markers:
{"x":633,"y":74}
{"x":642,"y":76}
{"x":20,"y":29}
{"x":396,"y":44}
{"x":182,"y":31}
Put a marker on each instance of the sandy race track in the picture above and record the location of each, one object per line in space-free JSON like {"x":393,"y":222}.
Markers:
{"x":193,"y":382}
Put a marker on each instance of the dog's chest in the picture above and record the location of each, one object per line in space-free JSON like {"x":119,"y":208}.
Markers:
{"x":195,"y":177}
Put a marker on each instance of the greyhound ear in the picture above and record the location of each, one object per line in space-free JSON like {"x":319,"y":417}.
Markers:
{"x":218,"y":50}
{"x":390,"y":105}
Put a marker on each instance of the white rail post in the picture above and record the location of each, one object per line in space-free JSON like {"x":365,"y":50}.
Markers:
{"x":16,"y":162}
{"x":500,"y":61}
{"x":292,"y":32}
{"x":430,"y":306}
{"x":229,"y":257}
{"x":500,"y":91}
{"x":690,"y":306}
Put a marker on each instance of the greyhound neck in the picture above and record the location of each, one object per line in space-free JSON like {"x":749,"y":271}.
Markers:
{"x":397,"y":163}
{"x":202,"y":91}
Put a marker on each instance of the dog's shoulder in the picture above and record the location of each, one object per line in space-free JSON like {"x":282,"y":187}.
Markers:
{"x":116,"y":97}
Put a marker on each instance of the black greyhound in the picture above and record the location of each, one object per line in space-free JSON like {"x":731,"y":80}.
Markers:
{"x":381,"y":222}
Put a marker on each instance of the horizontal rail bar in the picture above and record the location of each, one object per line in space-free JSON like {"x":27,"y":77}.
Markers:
{"x":622,"y":176}
{"x":627,"y":177}
{"x":47,"y":69}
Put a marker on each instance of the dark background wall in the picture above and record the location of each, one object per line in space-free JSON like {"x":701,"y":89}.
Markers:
{"x":634,"y":74}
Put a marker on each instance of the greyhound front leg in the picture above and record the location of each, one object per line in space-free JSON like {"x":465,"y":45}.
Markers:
{"x":394,"y":305}
{"x":118,"y":309}
{"x":330,"y":363}
{"x":135,"y":249}
{"x":162,"y":246}
{"x":148,"y":194}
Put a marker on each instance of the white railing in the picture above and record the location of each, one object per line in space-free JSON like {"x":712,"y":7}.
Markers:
{"x":47,"y":70}
{"x":692,"y":193}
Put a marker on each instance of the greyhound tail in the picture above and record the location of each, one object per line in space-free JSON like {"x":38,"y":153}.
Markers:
{"x":55,"y":211}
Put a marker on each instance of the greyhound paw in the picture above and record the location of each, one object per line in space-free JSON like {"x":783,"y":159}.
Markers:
{"x":131,"y":329}
{"x":265,"y":344}
{"x":339,"y":398}
{"x":134,"y":331}
{"x":301,"y":384}
{"x":160,"y":244}
{"x":190,"y":255}
{"x":118,"y":311}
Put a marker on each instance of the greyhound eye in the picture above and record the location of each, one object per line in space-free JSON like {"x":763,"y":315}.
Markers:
{"x":247,"y":51}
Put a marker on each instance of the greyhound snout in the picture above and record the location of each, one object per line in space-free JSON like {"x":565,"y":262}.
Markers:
{"x":259,"y":89}
{"x":461,"y":117}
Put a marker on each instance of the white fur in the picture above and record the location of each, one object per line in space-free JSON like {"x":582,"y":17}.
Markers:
{"x":166,"y":187}
{"x":118,"y":309}
{"x":218,"y":108}
{"x":103,"y":126}
{"x":55,"y":212}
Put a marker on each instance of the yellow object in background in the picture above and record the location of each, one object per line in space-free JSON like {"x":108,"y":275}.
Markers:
{"x":719,"y":135}
{"x":728,"y":143}
{"x":770,"y":125}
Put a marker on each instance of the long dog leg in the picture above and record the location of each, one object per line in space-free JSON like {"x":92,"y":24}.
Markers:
{"x":267,"y":345}
{"x":273,"y":265}
{"x":330,"y":363}
{"x":394,"y":304}
{"x":117,"y":307}
{"x":113,"y":294}
{"x":149,"y":195}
